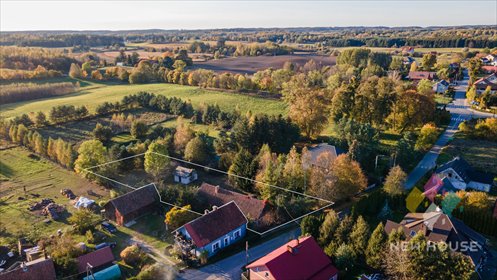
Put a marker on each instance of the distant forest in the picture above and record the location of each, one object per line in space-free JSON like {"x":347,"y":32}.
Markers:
{"x":429,"y":37}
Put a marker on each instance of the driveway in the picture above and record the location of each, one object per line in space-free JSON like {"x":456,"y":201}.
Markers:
{"x":231,"y":267}
{"x":460,"y":111}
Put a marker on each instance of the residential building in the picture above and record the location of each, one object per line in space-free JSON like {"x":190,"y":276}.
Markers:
{"x":185,"y":175}
{"x":439,"y":227}
{"x":489,"y":69}
{"x":130,"y":206}
{"x":489,"y":81}
{"x":491,"y":57}
{"x":406,"y":50}
{"x":98,"y":260}
{"x":254,"y":209}
{"x":407,"y":60}
{"x":441,"y":86}
{"x":213,"y":231}
{"x":315,"y":152}
{"x":436,"y":185}
{"x":460,"y":175}
{"x":35,"y":270}
{"x":301,"y":258}
{"x":422,"y":75}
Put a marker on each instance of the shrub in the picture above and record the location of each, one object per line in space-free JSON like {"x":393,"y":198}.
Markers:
{"x":133,"y":255}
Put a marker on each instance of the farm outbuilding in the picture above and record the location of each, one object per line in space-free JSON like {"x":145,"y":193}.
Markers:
{"x":185,"y":175}
{"x":132,"y":205}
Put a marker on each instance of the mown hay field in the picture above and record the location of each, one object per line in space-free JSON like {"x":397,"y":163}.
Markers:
{"x":92,"y":96}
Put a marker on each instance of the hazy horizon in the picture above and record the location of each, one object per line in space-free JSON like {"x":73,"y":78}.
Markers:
{"x":200,"y":15}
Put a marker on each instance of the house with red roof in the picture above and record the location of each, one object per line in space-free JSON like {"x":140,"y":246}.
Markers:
{"x":421,"y":75}
{"x":37,"y":269}
{"x":254,"y":209}
{"x":213,"y":231}
{"x":98,"y":259}
{"x":298,"y":259}
{"x":487,"y":82}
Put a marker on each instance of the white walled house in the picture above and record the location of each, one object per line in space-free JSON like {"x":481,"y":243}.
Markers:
{"x":462,"y":176}
{"x":185,"y":175}
{"x":441,"y":86}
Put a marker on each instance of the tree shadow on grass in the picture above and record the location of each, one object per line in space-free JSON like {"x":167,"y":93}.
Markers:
{"x":5,"y":170}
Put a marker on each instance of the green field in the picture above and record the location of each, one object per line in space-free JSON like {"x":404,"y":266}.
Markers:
{"x":41,"y":178}
{"x":479,"y":153}
{"x":95,"y":94}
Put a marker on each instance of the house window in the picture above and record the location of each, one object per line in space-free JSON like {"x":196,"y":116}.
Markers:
{"x":413,"y":233}
{"x":237,"y":234}
{"x":226,"y":241}
{"x":216,"y":246}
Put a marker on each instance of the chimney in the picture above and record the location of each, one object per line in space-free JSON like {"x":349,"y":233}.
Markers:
{"x":214,"y":208}
{"x":216,"y":189}
{"x":206,"y":211}
{"x":289,"y":249}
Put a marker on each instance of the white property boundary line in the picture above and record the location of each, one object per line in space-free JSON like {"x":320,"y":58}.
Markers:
{"x":330,"y":203}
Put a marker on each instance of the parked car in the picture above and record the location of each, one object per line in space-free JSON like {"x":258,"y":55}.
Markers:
{"x":105,"y":244}
{"x":109,"y":227}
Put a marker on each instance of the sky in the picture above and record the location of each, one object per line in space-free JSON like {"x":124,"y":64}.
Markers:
{"x":16,"y":15}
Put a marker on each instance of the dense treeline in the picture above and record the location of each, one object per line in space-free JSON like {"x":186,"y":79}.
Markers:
{"x":39,"y":73}
{"x":422,"y":42}
{"x":253,"y":49}
{"x":30,"y":58}
{"x":28,"y":91}
{"x":57,"y":150}
{"x":59,"y":40}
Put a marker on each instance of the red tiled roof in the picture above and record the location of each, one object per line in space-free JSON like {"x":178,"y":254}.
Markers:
{"x":490,"y":80}
{"x":489,"y":69}
{"x":96,"y":258}
{"x":307,"y":261}
{"x":251,"y":207}
{"x":38,"y":269}
{"x":215,"y":224}
{"x":419,"y":75}
{"x":134,"y":200}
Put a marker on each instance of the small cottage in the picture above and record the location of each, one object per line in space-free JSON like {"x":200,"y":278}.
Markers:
{"x":213,"y":231}
{"x":132,"y":205}
{"x":441,"y":86}
{"x":185,"y":175}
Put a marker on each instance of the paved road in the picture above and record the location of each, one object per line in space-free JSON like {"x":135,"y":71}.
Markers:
{"x":231,"y":267}
{"x":460,"y":111}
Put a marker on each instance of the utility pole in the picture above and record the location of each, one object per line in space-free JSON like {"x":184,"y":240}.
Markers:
{"x":89,"y":271}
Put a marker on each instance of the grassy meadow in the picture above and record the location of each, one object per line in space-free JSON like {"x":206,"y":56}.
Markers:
{"x":20,"y":170}
{"x":96,"y":93}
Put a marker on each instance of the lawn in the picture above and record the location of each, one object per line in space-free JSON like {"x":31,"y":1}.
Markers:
{"x":41,"y":178}
{"x":98,"y":93}
{"x":78,"y":131}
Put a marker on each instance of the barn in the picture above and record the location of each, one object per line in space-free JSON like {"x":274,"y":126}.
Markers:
{"x":132,"y":205}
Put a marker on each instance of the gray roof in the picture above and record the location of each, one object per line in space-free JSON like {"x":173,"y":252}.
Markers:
{"x":466,"y":171}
